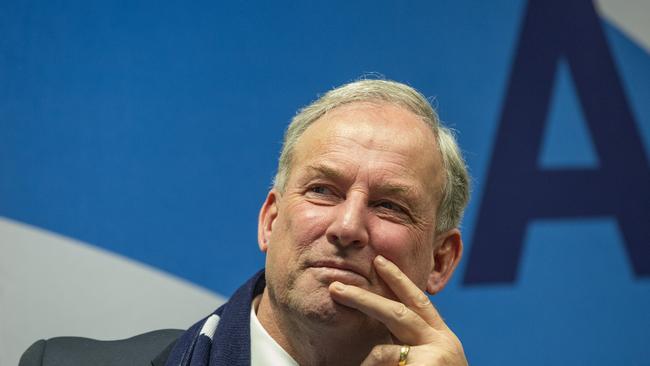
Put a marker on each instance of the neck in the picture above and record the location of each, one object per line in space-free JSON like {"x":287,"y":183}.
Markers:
{"x":311,"y":342}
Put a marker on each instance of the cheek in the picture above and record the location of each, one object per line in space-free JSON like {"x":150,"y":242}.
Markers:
{"x":405,"y":247}
{"x":392,"y":241}
{"x":303,"y":223}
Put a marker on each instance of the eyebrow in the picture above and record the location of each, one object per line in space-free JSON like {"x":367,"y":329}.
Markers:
{"x":385,"y":189}
{"x":326,"y":171}
{"x":392,"y":189}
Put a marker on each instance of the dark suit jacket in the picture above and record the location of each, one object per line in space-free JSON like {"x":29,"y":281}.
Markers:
{"x":143,"y":350}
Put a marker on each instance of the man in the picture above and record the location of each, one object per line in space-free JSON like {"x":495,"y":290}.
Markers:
{"x":362,"y":219}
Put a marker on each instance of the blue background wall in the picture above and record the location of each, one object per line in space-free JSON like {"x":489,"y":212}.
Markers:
{"x":152,"y":129}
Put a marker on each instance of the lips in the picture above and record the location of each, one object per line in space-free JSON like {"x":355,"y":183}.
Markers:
{"x":332,"y":270}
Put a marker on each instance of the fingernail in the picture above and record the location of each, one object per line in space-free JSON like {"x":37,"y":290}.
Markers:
{"x":338,"y":286}
{"x":380,"y":260}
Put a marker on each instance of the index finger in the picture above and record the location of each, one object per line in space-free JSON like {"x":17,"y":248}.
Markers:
{"x":401,"y":321}
{"x":408,"y":293}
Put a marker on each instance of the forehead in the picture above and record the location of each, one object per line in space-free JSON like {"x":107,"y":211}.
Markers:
{"x":366,"y":133}
{"x":382,"y":125}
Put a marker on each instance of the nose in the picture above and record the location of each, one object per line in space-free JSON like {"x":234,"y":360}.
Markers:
{"x":349,"y":227}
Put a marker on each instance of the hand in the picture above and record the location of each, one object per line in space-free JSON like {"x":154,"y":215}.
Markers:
{"x":413,"y":320}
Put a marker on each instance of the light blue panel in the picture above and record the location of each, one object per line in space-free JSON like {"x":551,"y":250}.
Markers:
{"x":576,"y":303}
{"x":578,"y":275}
{"x":152,"y":129}
{"x":567,"y":142}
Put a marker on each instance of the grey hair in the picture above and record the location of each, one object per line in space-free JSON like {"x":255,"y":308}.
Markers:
{"x":455,"y":192}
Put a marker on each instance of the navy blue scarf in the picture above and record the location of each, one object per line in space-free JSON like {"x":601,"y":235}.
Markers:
{"x":223,"y":337}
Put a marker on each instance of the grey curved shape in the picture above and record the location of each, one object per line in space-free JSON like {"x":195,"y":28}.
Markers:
{"x":53,"y":286}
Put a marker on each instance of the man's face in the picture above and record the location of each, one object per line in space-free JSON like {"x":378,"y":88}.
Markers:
{"x":365,"y":180}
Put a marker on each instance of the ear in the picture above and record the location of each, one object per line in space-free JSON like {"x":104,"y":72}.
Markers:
{"x":268,"y":214}
{"x":447,"y":251}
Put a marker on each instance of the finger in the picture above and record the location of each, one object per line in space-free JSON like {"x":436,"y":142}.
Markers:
{"x":408,"y":293}
{"x":401,"y":321}
{"x":417,"y":355}
{"x":383,"y":355}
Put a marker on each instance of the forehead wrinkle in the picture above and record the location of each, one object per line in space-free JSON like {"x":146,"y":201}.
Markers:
{"x":385,"y":187}
{"x":325,"y":170}
{"x":395,"y":189}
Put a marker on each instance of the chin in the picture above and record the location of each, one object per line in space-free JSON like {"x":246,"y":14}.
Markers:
{"x":309,"y":298}
{"x":321,"y":310}
{"x":315,"y":305}
{"x":317,"y":310}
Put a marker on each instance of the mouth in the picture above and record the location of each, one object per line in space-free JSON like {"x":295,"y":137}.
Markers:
{"x":330,"y":271}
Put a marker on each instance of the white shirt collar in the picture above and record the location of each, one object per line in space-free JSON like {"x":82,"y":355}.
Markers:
{"x":265,"y":351}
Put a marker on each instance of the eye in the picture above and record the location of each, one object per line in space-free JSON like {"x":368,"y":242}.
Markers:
{"x":390,"y":206}
{"x":393,"y":211}
{"x":320,"y":190}
{"x":321,"y":194}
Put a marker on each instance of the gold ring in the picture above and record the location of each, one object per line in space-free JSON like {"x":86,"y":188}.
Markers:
{"x":403,"y":354}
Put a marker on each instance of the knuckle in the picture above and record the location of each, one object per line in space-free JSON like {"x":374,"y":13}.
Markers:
{"x":377,"y":354}
{"x":441,"y":358}
{"x":360,"y":295}
{"x":421,"y":301}
{"x":401,"y":311}
{"x":449,"y":352}
{"x":398,"y":273}
{"x":450,"y":358}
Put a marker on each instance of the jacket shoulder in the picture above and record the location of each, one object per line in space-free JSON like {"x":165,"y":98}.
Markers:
{"x":70,"y":351}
